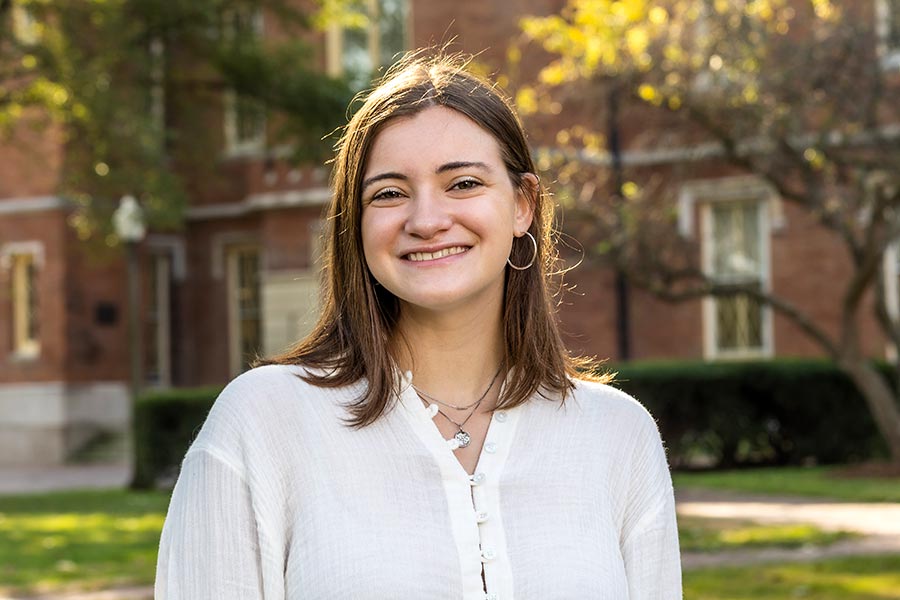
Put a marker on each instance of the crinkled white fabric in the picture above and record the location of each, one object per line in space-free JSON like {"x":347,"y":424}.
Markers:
{"x":278,"y":499}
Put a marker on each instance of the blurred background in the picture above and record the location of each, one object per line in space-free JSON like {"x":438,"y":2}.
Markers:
{"x":728,"y":180}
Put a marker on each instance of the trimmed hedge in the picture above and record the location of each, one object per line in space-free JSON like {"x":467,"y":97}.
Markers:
{"x":709,"y":414}
{"x":779,"y":412}
{"x":166,"y":423}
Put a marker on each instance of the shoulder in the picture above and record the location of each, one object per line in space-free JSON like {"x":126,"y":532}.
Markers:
{"x":256,"y":401}
{"x":612,"y":406}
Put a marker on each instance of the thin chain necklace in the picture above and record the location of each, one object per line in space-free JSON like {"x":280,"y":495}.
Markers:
{"x":425,"y":396}
{"x":462,"y":437}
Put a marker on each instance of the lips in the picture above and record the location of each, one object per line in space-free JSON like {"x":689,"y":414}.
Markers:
{"x":425,"y":256}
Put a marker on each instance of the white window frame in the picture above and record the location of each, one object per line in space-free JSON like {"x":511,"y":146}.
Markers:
{"x":707,"y":193}
{"x":334,"y":40}
{"x":235,"y":146}
{"x":235,"y":341}
{"x":888,"y":55}
{"x":16,"y":258}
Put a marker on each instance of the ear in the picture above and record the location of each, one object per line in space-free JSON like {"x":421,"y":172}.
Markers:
{"x":526,"y":201}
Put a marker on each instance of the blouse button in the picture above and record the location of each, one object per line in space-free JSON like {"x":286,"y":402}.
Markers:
{"x":490,"y":447}
{"x":482,"y":516}
{"x":477,"y":478}
{"x":488,"y":554}
{"x":500,"y":416}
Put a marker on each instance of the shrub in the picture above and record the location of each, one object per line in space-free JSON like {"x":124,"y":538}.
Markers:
{"x":784,"y":411}
{"x":166,"y":423}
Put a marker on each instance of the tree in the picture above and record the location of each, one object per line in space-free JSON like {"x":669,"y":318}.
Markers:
{"x":117,"y":80}
{"x":796,"y":93}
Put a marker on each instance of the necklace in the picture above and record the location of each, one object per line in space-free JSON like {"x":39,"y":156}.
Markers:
{"x":430,"y":398}
{"x":462,"y":437}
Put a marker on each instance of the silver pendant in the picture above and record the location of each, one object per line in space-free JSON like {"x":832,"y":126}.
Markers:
{"x":463,"y":438}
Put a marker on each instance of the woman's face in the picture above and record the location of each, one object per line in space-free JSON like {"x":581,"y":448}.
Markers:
{"x":440,"y":212}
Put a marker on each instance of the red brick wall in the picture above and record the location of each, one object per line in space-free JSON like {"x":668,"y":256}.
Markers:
{"x":48,"y":228}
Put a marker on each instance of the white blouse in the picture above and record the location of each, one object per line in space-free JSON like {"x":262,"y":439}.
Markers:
{"x":278,"y":499}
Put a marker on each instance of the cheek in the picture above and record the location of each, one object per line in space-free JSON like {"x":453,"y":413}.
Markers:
{"x":374,"y":229}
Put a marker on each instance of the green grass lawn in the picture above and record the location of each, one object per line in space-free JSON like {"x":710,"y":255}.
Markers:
{"x":98,"y":539}
{"x":697,"y":534}
{"x":796,"y":481}
{"x":856,"y":578}
{"x":82,"y":540}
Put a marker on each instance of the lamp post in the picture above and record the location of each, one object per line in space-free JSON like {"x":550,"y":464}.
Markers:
{"x":128,"y":221}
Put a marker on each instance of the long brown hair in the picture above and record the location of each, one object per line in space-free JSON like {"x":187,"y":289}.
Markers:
{"x":358,"y":320}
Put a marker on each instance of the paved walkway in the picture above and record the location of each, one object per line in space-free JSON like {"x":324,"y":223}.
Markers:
{"x":33,"y":480}
{"x":879,"y":523}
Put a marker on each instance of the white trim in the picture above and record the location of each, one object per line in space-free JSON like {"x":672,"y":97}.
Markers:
{"x":221,"y":241}
{"x":889,"y":57}
{"x":710,"y":351}
{"x":176,"y":247}
{"x":728,"y":189}
{"x":34,"y":248}
{"x":16,"y":206}
{"x":259,"y":202}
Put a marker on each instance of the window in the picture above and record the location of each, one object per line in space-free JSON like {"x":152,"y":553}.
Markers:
{"x":25,"y":305}
{"x":887,"y":14}
{"x":358,"y":52}
{"x":245,"y":118}
{"x":158,"y":323}
{"x":735,"y":251}
{"x":244,"y":315}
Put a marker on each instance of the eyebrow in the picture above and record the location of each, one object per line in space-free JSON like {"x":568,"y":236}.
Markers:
{"x":450,"y":166}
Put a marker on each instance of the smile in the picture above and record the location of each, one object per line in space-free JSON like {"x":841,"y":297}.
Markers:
{"x":423,"y":256}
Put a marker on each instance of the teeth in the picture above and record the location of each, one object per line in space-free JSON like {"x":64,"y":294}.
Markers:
{"x":422,"y":256}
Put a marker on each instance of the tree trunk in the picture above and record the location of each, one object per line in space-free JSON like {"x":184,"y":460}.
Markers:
{"x":880,"y":399}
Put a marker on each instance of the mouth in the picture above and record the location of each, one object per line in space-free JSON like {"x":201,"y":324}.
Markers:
{"x":426,"y":256}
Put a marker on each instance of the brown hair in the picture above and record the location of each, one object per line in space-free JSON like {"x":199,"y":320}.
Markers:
{"x":358,"y":319}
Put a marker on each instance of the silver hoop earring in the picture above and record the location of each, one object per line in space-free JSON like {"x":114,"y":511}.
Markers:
{"x":533,"y":256}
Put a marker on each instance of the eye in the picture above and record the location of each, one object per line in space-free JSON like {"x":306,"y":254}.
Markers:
{"x":466,"y":184}
{"x":387,"y":194}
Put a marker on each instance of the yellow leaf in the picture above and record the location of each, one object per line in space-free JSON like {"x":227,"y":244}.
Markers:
{"x":658,"y":15}
{"x":636,"y":39}
{"x":554,"y":74}
{"x":526,"y":101}
{"x":647,"y":92}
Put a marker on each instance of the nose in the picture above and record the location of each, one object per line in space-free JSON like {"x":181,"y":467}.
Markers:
{"x":428,"y":216}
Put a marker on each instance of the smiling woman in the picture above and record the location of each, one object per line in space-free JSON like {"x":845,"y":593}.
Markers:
{"x":431,"y":438}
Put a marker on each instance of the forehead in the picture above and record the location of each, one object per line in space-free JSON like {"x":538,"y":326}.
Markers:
{"x":430,"y":138}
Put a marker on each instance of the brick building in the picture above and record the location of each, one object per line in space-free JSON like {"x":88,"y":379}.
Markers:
{"x":241,"y":277}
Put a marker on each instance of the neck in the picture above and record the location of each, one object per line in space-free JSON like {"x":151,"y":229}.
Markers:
{"x":452,"y":357}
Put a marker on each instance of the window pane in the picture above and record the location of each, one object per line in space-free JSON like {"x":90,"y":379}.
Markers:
{"x":248,"y":305}
{"x":250,"y":120}
{"x":738,"y":323}
{"x":392,"y":29}
{"x":25,"y":313}
{"x":736,"y":241}
{"x":737,"y":259}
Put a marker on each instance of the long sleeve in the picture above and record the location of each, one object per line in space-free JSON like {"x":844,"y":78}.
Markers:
{"x":650,"y":534}
{"x":210,"y":542}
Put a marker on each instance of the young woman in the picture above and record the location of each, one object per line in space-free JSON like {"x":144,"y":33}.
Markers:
{"x":431,"y":438}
